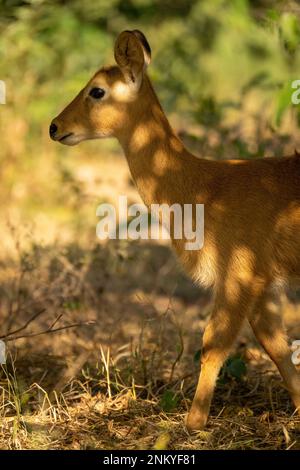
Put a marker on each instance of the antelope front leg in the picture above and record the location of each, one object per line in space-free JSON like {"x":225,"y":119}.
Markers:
{"x":220,"y":333}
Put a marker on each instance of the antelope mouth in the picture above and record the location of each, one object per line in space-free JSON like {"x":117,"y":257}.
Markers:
{"x":65,"y":137}
{"x":69,"y":139}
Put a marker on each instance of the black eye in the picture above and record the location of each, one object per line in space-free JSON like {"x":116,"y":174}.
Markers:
{"x":97,"y":93}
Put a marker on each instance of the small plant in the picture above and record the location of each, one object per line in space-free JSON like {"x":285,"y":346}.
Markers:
{"x":169,"y":401}
{"x":234,"y":368}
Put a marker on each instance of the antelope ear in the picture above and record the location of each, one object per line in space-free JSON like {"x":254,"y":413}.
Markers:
{"x":132,"y":54}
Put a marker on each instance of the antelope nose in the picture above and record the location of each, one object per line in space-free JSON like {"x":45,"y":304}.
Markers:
{"x":52,"y":129}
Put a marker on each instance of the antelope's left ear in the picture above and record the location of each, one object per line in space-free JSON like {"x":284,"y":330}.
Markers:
{"x":133,"y":55}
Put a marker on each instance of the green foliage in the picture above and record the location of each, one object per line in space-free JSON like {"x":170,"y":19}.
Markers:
{"x":197,"y":356}
{"x":290,"y":31}
{"x":234,"y":368}
{"x":169,"y":401}
{"x":204,"y":52}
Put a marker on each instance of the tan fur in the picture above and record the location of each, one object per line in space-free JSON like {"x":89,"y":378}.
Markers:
{"x":252,"y":211}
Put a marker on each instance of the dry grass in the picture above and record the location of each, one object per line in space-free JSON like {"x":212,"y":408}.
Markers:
{"x":126,"y":381}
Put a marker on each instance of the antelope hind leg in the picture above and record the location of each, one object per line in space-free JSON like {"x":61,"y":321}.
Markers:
{"x":268,"y":327}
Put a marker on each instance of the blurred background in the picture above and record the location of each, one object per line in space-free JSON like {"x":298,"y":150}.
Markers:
{"x":223,"y":71}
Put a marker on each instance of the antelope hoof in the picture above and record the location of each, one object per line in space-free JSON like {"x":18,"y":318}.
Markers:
{"x":195,"y":421}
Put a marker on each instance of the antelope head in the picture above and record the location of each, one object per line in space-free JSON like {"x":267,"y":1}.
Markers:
{"x":111,"y":99}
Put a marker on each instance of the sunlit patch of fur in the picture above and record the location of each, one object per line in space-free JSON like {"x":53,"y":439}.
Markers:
{"x":123,"y":92}
{"x":204,"y":272}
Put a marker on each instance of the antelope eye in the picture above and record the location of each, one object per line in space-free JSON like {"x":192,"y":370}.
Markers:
{"x":97,"y":93}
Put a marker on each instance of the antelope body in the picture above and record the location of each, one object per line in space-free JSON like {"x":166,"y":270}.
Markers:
{"x":252,"y":210}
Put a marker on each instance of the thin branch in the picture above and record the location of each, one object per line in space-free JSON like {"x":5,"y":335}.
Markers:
{"x":50,"y":330}
{"x":55,"y":321}
{"x":7,"y":335}
{"x":179,"y":354}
